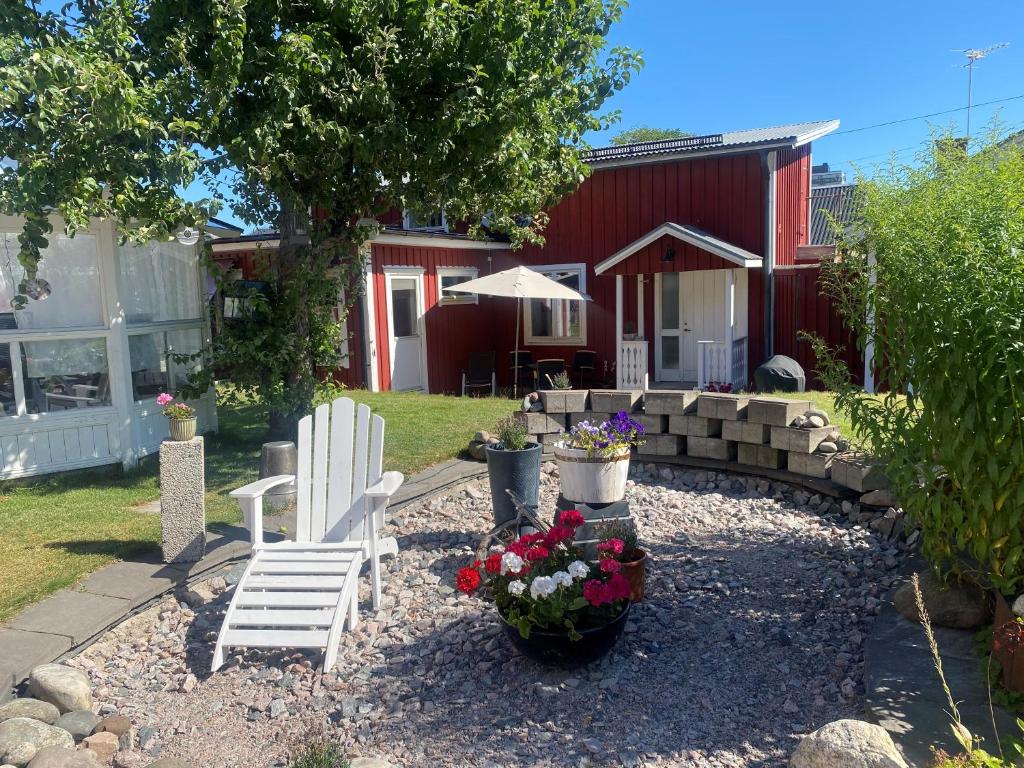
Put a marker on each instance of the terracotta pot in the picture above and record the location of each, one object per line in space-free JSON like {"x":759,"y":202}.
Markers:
{"x":1012,"y":662}
{"x":182,"y":429}
{"x":635,"y":572}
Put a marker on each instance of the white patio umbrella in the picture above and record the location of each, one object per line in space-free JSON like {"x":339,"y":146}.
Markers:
{"x":519,"y":283}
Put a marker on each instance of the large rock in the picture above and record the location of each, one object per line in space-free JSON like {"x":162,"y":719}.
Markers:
{"x":34,"y":708}
{"x":62,"y":757}
{"x":104,"y":744}
{"x":66,"y":688}
{"x":79,"y":724}
{"x":957,"y":605}
{"x":882,"y":497}
{"x":849,"y":744}
{"x":22,"y":737}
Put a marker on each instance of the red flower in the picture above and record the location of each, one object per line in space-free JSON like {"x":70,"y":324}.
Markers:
{"x":571,"y":518}
{"x":518,"y":547}
{"x":557,"y":535}
{"x":493,"y":563}
{"x":531,"y":538}
{"x":617,"y":587}
{"x":612,"y":546}
{"x":608,"y":565}
{"x":595,"y":592}
{"x":467,"y":580}
{"x":1008,"y":637}
{"x":537,"y":553}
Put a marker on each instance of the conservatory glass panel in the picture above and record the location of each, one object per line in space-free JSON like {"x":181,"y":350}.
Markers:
{"x":64,"y":375}
{"x":159,"y":282}
{"x":187,"y":342}
{"x":7,"y":399}
{"x":70,"y":268}
{"x":148,"y":355}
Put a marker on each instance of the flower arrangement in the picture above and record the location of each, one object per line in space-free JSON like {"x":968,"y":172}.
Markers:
{"x":620,"y":431}
{"x":560,"y":380}
{"x":173,"y":410}
{"x":626,"y":535}
{"x":718,"y":386}
{"x":538,"y":581}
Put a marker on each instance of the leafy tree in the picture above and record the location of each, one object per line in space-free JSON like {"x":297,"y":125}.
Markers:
{"x":943,"y":305}
{"x":344,"y":109}
{"x":645,"y":133}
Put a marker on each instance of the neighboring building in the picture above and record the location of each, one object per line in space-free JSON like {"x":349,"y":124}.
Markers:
{"x":691,"y":250}
{"x":80,"y":369}
{"x":831,"y":207}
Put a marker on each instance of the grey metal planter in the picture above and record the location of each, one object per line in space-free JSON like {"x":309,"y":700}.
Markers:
{"x":518,"y":471}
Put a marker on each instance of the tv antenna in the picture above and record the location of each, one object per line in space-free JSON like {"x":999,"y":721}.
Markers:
{"x":974,"y":55}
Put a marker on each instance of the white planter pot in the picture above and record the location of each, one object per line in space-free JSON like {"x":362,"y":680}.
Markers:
{"x":597,"y":479}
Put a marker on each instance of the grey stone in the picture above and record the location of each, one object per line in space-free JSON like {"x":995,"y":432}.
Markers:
{"x":880,"y":497}
{"x":22,"y":737}
{"x":182,"y":500}
{"x":34,"y":708}
{"x":477,"y":451}
{"x":21,"y":650}
{"x":66,"y":688}
{"x":79,"y":724}
{"x":816,"y":421}
{"x":369,"y":762}
{"x":168,"y":762}
{"x":1018,"y":606}
{"x":817,"y":412}
{"x":847,"y":743}
{"x":62,"y":757}
{"x":958,"y":605}
{"x":827,"y":446}
{"x":146,"y":735}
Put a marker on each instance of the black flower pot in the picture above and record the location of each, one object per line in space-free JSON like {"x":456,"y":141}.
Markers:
{"x":517,"y":471}
{"x":555,"y":649}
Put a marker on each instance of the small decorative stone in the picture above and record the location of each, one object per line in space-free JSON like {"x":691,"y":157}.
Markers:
{"x":103,"y":744}
{"x":882,"y":497}
{"x":168,"y":762}
{"x":62,"y":757}
{"x":369,"y":762}
{"x":1018,"y":606}
{"x":79,"y":724}
{"x":957,"y":605}
{"x":850,"y":744}
{"x":34,"y":708}
{"x":799,"y":421}
{"x":827,"y":446}
{"x":817,"y":412}
{"x":66,"y":688}
{"x":115,"y":724}
{"x":22,"y":737}
{"x":815,"y":421}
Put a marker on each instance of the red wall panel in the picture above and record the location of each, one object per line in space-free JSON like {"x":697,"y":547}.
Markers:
{"x":793,"y":189}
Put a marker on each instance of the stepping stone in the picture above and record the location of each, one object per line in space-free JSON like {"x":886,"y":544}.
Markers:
{"x":43,"y":711}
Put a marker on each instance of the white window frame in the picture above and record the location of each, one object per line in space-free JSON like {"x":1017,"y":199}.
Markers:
{"x":557,"y":341}
{"x":407,"y":218}
{"x":445,"y":299}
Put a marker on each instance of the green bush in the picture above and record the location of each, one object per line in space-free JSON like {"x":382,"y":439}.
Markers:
{"x":319,"y":753}
{"x":943,"y":305}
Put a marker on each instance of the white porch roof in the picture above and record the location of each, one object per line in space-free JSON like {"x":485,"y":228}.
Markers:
{"x":688,"y":234}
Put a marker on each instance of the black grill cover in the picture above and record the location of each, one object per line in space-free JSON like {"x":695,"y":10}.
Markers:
{"x":780,"y":374}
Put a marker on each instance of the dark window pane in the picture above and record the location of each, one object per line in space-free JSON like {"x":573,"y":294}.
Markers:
{"x":61,"y":375}
{"x":403,"y":307}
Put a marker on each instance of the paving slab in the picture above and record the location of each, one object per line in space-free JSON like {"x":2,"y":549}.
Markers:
{"x":137,"y":581}
{"x":20,"y":651}
{"x":72,"y":614}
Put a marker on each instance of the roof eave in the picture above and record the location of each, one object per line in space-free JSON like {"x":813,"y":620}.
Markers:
{"x":704,"y":241}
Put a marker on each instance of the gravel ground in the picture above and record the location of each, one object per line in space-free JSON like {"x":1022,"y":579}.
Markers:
{"x":759,"y":598}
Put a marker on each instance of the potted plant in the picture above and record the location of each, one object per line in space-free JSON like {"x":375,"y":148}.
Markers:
{"x":620,"y":543}
{"x":181,"y":418}
{"x":593,"y":459}
{"x":556,"y":608}
{"x":513,"y":464}
{"x":562,"y":398}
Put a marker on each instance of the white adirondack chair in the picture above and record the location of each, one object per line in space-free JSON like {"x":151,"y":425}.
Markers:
{"x":298,"y":594}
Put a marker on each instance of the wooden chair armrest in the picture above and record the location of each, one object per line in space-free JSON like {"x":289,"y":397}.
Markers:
{"x":250,"y":499}
{"x":387,"y":486}
{"x":260,"y":487}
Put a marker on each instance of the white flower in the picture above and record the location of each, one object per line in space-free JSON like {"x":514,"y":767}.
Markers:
{"x":516,"y":587}
{"x":542,"y":586}
{"x":578,"y":569}
{"x":561,"y":579}
{"x":511,"y":562}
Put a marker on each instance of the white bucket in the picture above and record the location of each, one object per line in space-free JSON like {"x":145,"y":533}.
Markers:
{"x":597,"y":479}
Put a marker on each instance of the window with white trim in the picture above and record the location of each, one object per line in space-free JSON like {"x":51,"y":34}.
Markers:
{"x":433,"y":222}
{"x":558,"y":321}
{"x":448,"y":277}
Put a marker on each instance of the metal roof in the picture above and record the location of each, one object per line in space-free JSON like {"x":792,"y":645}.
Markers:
{"x":837,"y":204}
{"x":791,"y":135}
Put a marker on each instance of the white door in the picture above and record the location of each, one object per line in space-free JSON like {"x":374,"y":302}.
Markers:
{"x":668,"y":342}
{"x":689,"y":307}
{"x":405,"y":329}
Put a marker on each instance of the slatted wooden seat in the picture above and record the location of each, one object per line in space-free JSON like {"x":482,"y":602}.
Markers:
{"x":299,"y":594}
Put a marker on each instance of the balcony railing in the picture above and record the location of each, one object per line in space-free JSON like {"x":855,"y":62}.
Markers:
{"x":717,"y":364}
{"x":632,"y":373}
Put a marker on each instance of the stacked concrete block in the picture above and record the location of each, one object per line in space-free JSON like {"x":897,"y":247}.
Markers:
{"x":746,"y":432}
{"x":715,"y":405}
{"x":800,"y":440}
{"x":654,"y":424}
{"x":545,"y":428}
{"x":615,"y":400}
{"x":694,"y":426}
{"x":564,"y":400}
{"x":711,"y":448}
{"x":670,"y":402}
{"x":594,"y":417}
{"x":811,"y":464}
{"x":775,"y":411}
{"x":858,"y":472}
{"x":763,"y":456}
{"x":663,"y":445}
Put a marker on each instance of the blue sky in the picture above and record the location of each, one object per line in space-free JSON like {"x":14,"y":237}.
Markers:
{"x":722,"y":66}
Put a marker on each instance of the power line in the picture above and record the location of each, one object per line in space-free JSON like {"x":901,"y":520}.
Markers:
{"x":924,"y":117}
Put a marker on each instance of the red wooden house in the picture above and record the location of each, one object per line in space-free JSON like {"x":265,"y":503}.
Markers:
{"x":690,"y":249}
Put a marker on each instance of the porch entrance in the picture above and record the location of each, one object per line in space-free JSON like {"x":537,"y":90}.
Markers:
{"x":405,"y":328}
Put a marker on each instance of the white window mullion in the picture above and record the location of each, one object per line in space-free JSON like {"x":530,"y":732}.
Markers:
{"x":18,"y":379}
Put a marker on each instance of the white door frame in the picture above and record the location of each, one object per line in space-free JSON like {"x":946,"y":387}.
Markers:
{"x":391,"y":272}
{"x":659,"y":374}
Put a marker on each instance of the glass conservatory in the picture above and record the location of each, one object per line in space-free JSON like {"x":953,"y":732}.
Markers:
{"x":81,"y":364}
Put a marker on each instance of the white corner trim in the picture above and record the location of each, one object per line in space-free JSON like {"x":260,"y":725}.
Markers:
{"x":817,"y":133}
{"x":415,"y":239}
{"x":687,"y":234}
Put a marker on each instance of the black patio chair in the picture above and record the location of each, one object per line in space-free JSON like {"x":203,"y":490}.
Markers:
{"x":526,"y":367}
{"x":547,"y":370}
{"x":480,"y":373}
{"x":584,"y":363}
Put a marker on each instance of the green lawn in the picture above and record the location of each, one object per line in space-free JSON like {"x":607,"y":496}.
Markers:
{"x":60,"y":528}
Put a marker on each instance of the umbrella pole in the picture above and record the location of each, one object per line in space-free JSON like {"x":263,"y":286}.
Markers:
{"x":515,"y":359}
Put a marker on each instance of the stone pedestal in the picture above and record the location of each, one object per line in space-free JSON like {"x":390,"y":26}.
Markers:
{"x":182,"y":500}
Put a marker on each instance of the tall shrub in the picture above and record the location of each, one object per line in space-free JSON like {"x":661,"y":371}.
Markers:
{"x":932,"y":275}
